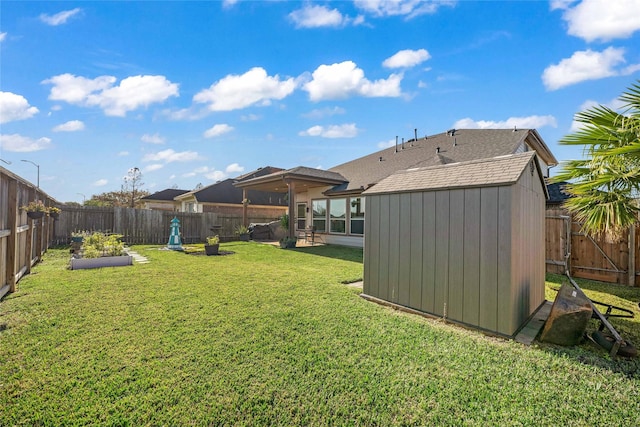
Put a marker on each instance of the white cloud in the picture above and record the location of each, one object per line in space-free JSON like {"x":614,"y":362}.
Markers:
{"x":153,"y":167}
{"x":386,"y":144}
{"x":23,"y":144}
{"x":530,"y":122}
{"x":315,"y":16}
{"x":226,"y":4}
{"x":123,"y":153}
{"x":586,"y":65}
{"x":407,"y":8}
{"x":190,"y":113}
{"x":346,"y":79}
{"x":348,"y":130}
{"x":70,"y":126}
{"x":15,"y":107}
{"x":250,"y":117}
{"x":3,"y":36}
{"x":615,"y":104}
{"x":234,"y":92}
{"x":234,"y":168}
{"x":100,"y":183}
{"x":169,"y":156}
{"x":601,"y":20}
{"x":324,"y":112}
{"x":132,"y":92}
{"x":152,"y":139}
{"x":217,"y":130}
{"x":197,"y":171}
{"x":215,"y":175}
{"x":59,"y":18}
{"x":407,"y":58}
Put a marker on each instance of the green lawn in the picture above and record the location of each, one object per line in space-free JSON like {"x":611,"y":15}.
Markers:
{"x":273,"y":337}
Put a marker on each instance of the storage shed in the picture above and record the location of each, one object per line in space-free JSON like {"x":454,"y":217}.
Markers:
{"x":463,"y":241}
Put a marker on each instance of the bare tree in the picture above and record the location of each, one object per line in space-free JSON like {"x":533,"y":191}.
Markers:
{"x":132,"y":183}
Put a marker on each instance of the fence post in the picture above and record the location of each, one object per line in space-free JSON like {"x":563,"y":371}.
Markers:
{"x":12,"y":243}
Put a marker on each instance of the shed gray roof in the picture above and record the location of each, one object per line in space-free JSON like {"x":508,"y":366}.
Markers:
{"x":448,"y":147}
{"x":503,"y":170}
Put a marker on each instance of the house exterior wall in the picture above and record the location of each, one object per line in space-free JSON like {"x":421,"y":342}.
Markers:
{"x":474,"y":256}
{"x":346,"y":239}
{"x":162,"y":206}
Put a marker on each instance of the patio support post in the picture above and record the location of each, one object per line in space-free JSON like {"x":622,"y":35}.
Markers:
{"x":245,"y":202}
{"x":292,"y":196}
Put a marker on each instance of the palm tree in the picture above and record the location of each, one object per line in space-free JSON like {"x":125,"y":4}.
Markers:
{"x":606,"y":185}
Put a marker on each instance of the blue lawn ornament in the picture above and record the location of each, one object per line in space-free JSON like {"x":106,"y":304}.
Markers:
{"x":174,"y":237}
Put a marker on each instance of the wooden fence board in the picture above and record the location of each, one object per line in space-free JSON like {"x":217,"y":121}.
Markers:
{"x":591,"y":257}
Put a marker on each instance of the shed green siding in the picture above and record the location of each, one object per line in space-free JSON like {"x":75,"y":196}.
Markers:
{"x":474,"y":255}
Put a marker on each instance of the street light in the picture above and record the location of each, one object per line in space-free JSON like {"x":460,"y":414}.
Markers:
{"x":83,"y":198}
{"x":38,"y":166}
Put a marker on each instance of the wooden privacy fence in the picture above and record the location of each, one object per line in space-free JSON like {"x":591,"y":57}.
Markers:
{"x":145,"y":226}
{"x":588,"y":257}
{"x":22,"y":240}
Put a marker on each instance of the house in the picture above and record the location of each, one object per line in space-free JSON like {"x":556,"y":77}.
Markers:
{"x":332,"y":202}
{"x":226,"y":199}
{"x":462,"y":241}
{"x":163,"y":200}
{"x":557,"y":195}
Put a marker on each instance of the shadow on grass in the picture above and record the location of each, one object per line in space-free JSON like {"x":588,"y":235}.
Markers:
{"x":344,"y":253}
{"x":589,"y":353}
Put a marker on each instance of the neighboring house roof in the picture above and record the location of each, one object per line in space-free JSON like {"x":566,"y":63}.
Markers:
{"x":165,"y":195}
{"x":502,"y":170}
{"x":557,"y":195}
{"x":448,"y":147}
{"x":225,"y":192}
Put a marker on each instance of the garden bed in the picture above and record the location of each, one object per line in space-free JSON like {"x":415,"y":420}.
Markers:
{"x":107,"y":261}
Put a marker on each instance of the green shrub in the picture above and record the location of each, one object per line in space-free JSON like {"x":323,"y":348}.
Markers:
{"x":99,"y":244}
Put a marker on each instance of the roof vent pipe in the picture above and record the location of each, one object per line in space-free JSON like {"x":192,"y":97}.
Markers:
{"x":515,"y":128}
{"x":403,"y":143}
{"x":415,"y":136}
{"x":455,"y":142}
{"x":396,"y":143}
{"x":380,"y":159}
{"x":437,"y":150}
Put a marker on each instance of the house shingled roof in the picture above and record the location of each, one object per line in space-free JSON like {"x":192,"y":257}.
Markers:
{"x":165,"y":195}
{"x":225,"y":192}
{"x":557,"y":194}
{"x":441,"y":149}
{"x":502,"y":170}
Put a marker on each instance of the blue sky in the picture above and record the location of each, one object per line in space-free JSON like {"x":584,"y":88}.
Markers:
{"x":195,"y":92}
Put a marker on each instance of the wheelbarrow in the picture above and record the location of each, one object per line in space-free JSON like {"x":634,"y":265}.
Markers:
{"x":610,"y":340}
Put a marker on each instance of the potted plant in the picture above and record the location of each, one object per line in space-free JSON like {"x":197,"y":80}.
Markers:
{"x":78,"y":236}
{"x":54,"y":212}
{"x":243,"y":233}
{"x":35,"y":209}
{"x":212,"y":246}
{"x":288,"y":242}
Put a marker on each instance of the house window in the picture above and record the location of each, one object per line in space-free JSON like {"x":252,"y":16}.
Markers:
{"x":357,"y":216}
{"x":320,"y":215}
{"x":338,"y":215}
{"x":301,"y":216}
